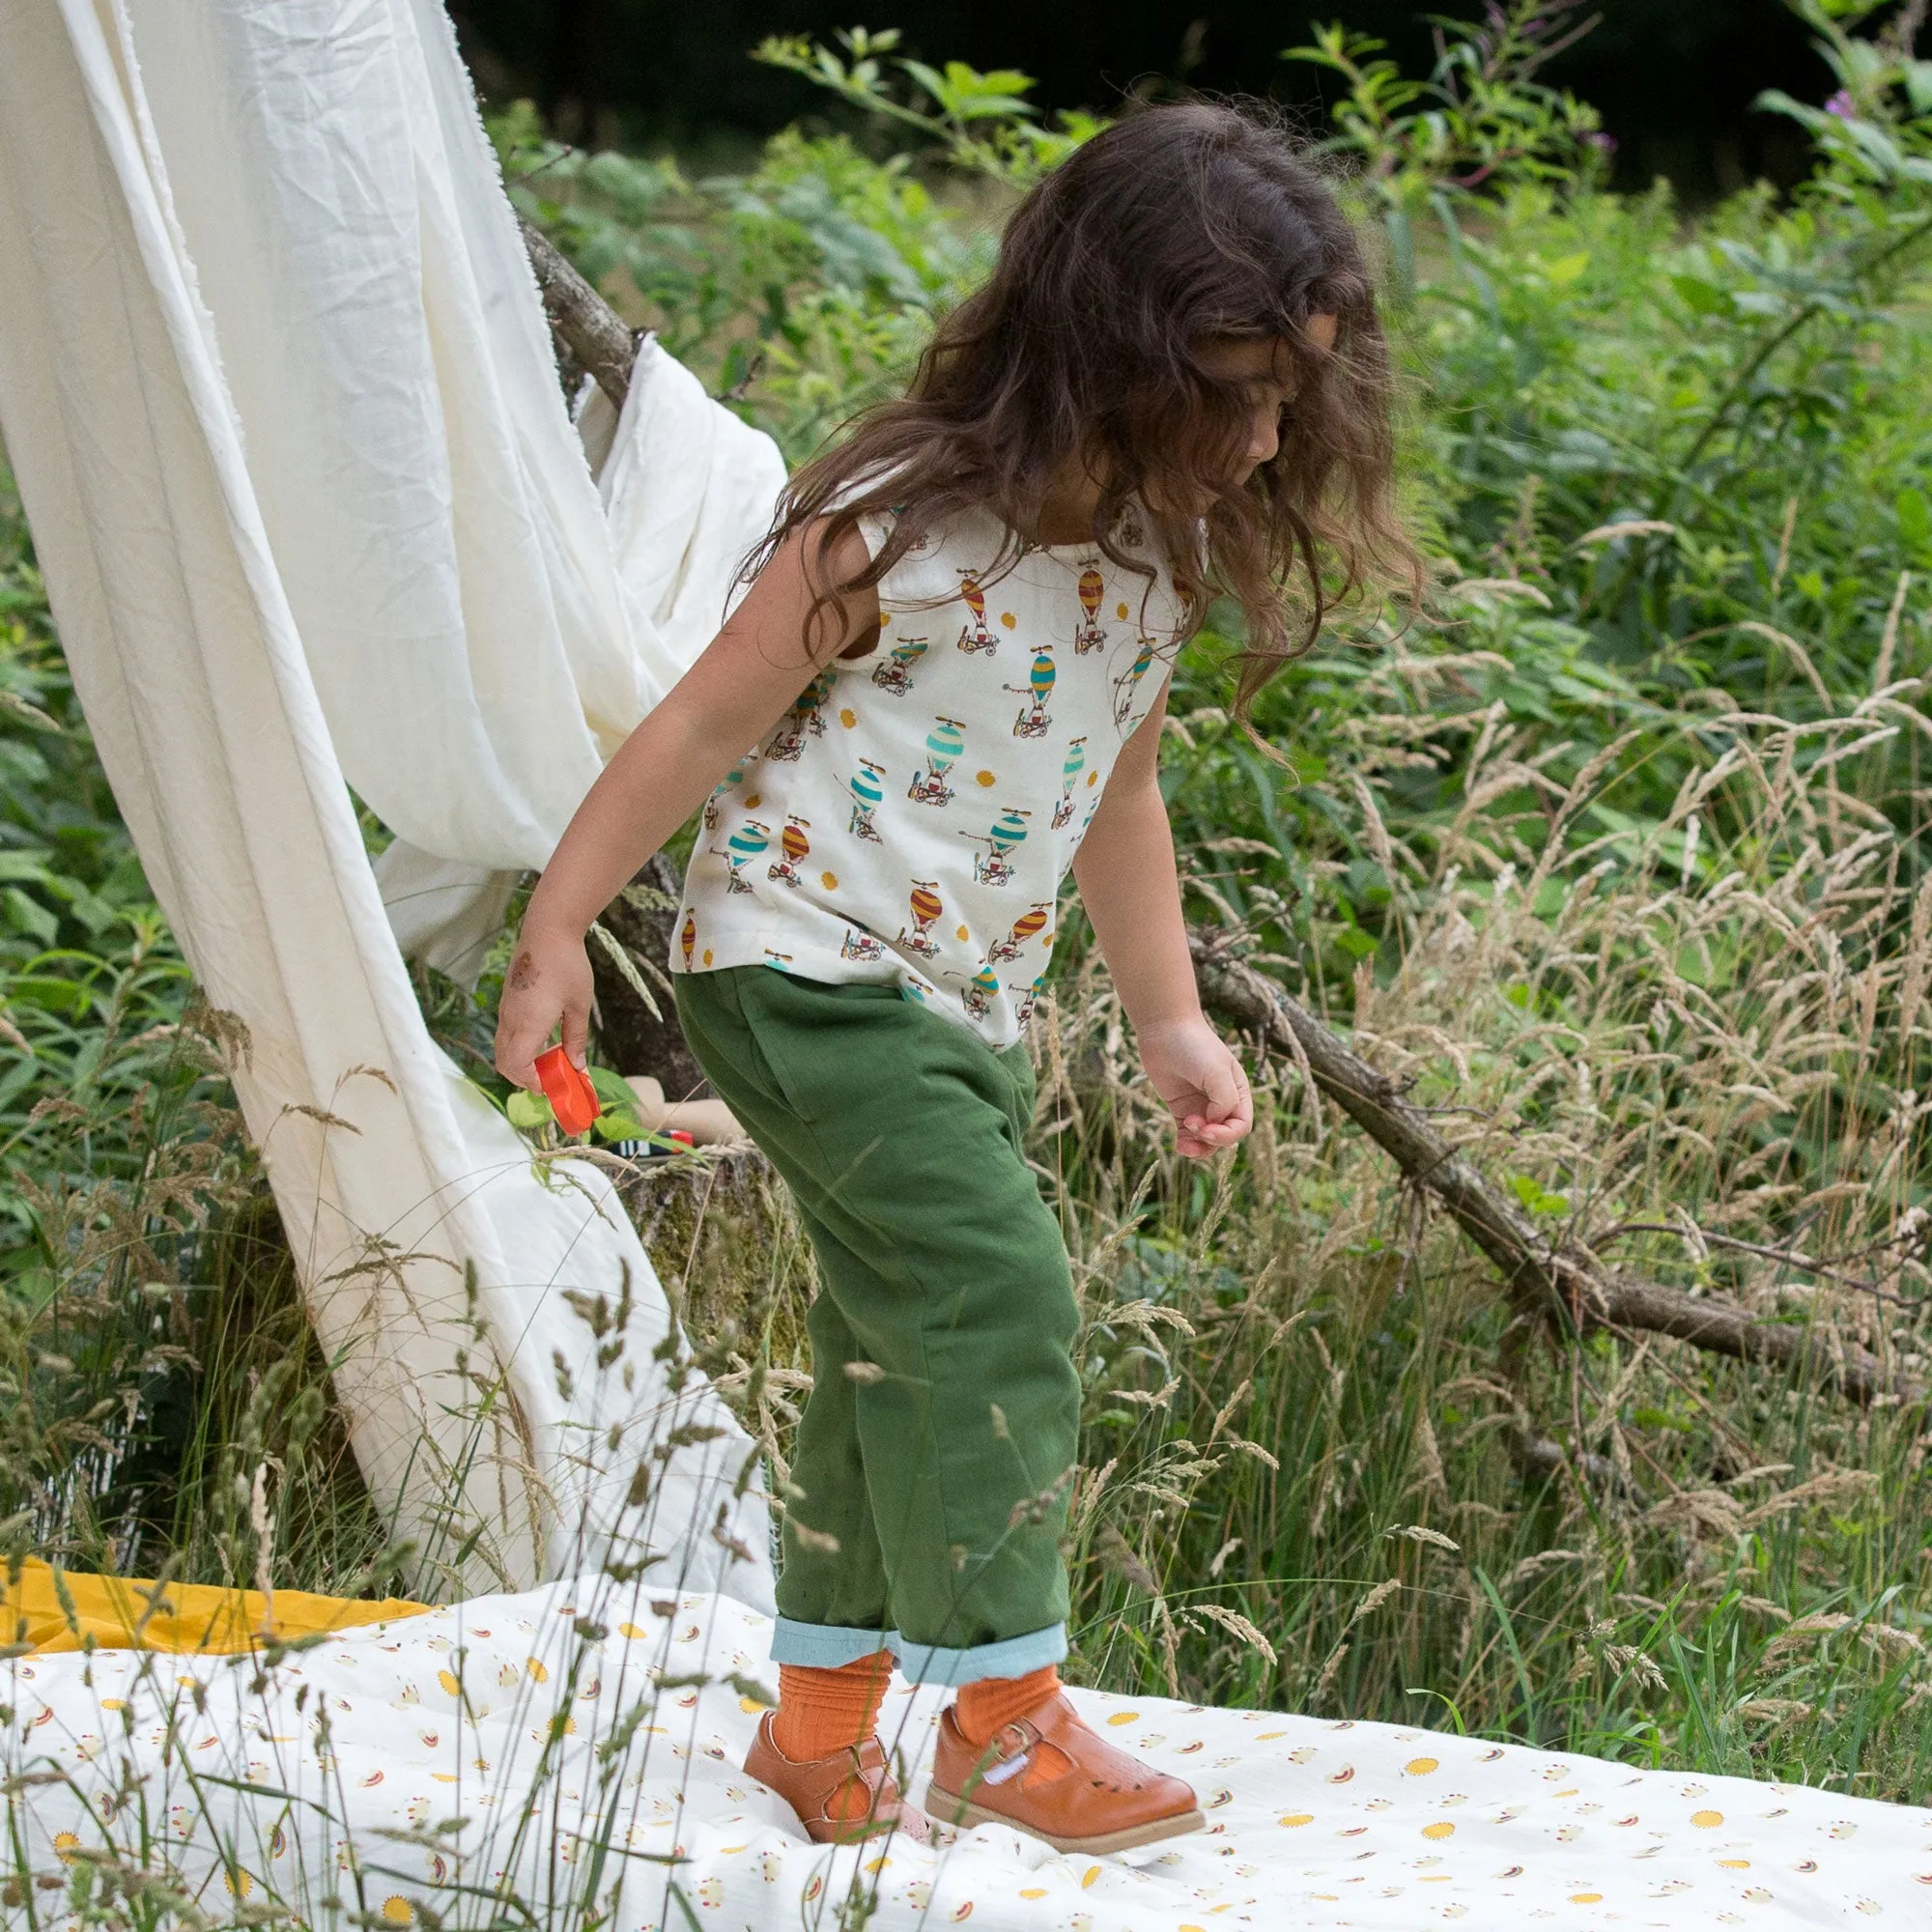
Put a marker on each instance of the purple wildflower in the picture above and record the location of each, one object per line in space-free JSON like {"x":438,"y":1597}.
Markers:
{"x":1840,"y":104}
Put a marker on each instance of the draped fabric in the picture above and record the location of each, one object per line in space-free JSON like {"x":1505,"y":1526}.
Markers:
{"x":317,"y":528}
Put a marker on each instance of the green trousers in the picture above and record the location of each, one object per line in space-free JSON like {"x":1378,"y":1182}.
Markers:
{"x":936,"y":1450}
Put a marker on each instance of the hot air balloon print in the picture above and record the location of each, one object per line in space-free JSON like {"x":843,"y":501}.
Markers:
{"x":1007,"y":834}
{"x":867,"y":793}
{"x":712,"y":805}
{"x":973,"y":635}
{"x":1128,"y":683}
{"x":1092,"y":635}
{"x":926,"y":908}
{"x":857,"y":945}
{"x":793,"y":846}
{"x":1029,"y":998}
{"x":944,"y":744}
{"x":1070,"y":777}
{"x":980,"y":991}
{"x":1025,"y":927}
{"x":894,"y":675}
{"x":1033,"y":720}
{"x":787,"y":743}
{"x":743,"y":845}
{"x":688,"y":938}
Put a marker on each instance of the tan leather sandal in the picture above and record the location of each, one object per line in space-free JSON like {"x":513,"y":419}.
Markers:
{"x":1103,"y":1801}
{"x":841,"y":1799}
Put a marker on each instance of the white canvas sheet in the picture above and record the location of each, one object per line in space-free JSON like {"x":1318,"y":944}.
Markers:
{"x":1311,"y":1823}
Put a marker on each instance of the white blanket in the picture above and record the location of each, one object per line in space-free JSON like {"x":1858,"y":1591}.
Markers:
{"x":327,"y":1777}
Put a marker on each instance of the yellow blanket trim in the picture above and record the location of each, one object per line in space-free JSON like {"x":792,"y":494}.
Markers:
{"x":199,"y":1617}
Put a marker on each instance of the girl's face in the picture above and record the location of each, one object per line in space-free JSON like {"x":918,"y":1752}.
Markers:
{"x":1265,"y":374}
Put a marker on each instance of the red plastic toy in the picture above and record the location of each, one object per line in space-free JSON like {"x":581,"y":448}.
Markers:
{"x":572,"y":1098}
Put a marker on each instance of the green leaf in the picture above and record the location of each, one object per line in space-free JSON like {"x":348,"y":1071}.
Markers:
{"x":1567,"y":269}
{"x":29,"y":715}
{"x":29,"y":916}
{"x":95,"y":913}
{"x":1700,"y":296}
{"x":971,"y":96}
{"x":50,"y":993}
{"x":612,"y":1089}
{"x":25,"y":868}
{"x":1656,"y":1418}
{"x":1532,"y":1195}
{"x":528,"y":1111}
{"x":1915,"y":516}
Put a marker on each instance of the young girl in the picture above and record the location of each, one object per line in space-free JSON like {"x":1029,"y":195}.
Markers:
{"x":951,"y":669}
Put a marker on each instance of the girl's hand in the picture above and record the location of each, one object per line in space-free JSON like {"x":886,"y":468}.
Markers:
{"x":1195,"y":1072}
{"x":548,"y":980}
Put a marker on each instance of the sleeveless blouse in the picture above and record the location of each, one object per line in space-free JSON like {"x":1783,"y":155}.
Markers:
{"x":911,"y":819}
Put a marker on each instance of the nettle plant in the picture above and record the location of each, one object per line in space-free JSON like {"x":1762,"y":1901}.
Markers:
{"x":981,"y":122}
{"x":1481,"y":119}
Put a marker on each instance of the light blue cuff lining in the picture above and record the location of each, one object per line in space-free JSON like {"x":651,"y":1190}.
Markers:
{"x":825,"y":1646}
{"x":828,"y":1646}
{"x":1011,"y":1656}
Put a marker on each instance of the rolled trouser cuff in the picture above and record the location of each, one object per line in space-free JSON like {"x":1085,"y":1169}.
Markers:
{"x":825,"y":1646}
{"x":830,"y":1646}
{"x":1010,"y":1657}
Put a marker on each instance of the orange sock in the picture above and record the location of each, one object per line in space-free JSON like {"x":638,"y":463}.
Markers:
{"x":983,"y":1707}
{"x":822,"y":1711}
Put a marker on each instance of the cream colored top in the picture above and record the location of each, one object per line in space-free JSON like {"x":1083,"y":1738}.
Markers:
{"x":911,"y":817}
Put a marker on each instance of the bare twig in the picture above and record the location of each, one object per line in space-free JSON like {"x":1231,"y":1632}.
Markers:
{"x":586,"y":324}
{"x":1789,"y":1257}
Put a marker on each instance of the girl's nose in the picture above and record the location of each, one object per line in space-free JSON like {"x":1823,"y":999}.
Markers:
{"x":1265,"y":439}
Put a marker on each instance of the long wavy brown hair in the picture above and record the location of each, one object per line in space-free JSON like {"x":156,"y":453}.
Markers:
{"x":1178,"y":227}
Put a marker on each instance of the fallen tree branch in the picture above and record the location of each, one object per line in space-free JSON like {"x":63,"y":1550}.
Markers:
{"x":1542,"y":1279}
{"x":605,"y":346}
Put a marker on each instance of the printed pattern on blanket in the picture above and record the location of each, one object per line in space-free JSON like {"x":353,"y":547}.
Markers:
{"x":591,"y":1737}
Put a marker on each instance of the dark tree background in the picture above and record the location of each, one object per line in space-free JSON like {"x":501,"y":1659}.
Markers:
{"x":1674,"y":78}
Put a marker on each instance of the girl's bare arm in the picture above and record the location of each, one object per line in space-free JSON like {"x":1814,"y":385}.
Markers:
{"x":718,"y":710}
{"x":1125,"y":871}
